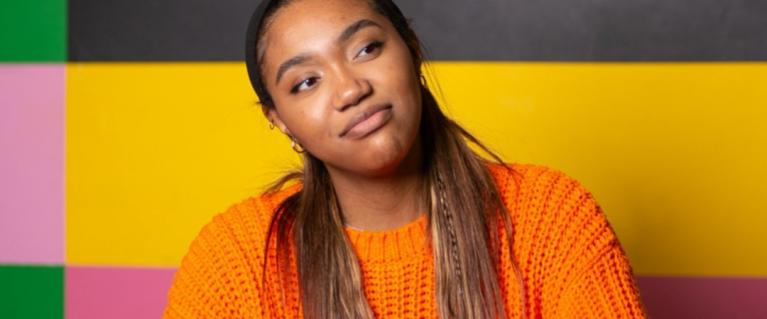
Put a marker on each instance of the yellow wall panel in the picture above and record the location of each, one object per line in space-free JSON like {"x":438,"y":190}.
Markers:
{"x":154,"y":150}
{"x":674,"y":153}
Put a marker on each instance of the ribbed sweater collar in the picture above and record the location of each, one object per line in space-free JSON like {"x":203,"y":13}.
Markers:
{"x":407,"y":242}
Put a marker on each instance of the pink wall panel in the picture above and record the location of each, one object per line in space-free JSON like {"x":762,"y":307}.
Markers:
{"x":121,"y":293}
{"x":116,"y":293}
{"x":32,"y":163}
{"x":697,"y":297}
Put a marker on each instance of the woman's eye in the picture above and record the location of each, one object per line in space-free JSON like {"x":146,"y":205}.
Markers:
{"x":304,"y":85}
{"x":370,"y":48}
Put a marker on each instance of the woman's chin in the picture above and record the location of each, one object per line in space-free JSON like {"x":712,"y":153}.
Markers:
{"x":374,"y":160}
{"x":386,"y":157}
{"x":382,"y":153}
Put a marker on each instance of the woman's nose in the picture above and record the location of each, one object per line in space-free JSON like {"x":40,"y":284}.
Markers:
{"x":351,"y":89}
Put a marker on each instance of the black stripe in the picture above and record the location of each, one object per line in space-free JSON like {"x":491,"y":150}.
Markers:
{"x":518,"y":30}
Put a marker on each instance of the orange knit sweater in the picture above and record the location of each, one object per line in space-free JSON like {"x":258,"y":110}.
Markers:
{"x":570,"y":260}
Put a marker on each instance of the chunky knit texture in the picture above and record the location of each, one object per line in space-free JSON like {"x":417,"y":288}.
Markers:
{"x":571,"y":263}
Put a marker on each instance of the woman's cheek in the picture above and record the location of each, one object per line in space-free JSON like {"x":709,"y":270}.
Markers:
{"x":314,"y":123}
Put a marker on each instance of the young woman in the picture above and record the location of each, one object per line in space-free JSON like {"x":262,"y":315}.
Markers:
{"x":393,"y":214}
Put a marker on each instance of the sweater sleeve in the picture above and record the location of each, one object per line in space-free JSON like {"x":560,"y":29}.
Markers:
{"x":597,"y":280}
{"x":219,"y":277}
{"x":604,"y":288}
{"x":569,"y":256}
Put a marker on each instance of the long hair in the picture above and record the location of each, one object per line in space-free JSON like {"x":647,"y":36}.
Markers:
{"x":465,"y":217}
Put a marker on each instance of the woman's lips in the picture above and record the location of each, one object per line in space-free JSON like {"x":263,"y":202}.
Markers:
{"x":367,"y":122}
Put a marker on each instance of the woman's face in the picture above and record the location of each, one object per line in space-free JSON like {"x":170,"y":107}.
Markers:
{"x":343,"y":84}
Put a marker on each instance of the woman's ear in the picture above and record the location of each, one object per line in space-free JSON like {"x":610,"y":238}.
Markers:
{"x":270,"y":112}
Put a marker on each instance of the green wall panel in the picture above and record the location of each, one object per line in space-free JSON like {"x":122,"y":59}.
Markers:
{"x":28,"y":292}
{"x":33,"y":30}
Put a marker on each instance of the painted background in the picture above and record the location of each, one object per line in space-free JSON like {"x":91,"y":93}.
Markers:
{"x":126,"y":125}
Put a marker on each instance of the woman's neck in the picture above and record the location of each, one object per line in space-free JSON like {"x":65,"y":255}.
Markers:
{"x":382,"y":203}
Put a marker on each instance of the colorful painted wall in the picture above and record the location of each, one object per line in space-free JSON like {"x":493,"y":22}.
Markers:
{"x":126,"y":125}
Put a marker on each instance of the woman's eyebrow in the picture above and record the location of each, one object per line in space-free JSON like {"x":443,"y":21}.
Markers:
{"x":354,"y":27}
{"x":296,"y":60}
{"x":343,"y":37}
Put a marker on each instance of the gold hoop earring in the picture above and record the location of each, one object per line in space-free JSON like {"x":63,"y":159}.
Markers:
{"x":296,"y":146}
{"x":271,"y":125}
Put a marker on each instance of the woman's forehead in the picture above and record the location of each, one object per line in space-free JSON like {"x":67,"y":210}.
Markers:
{"x":306,"y":25}
{"x":314,"y":15}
